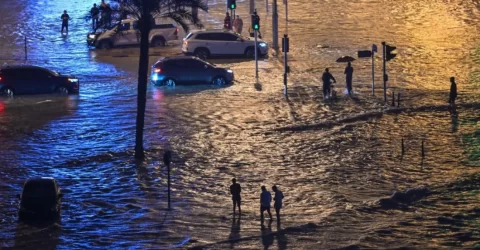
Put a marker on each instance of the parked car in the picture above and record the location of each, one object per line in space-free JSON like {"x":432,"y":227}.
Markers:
{"x":18,"y":80}
{"x":40,"y":199}
{"x":188,"y":70}
{"x":206,"y":43}
{"x":126,"y":33}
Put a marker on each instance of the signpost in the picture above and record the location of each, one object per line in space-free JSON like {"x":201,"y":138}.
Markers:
{"x":374,"y":49}
{"x":167,"y":159}
{"x":285,"y":49}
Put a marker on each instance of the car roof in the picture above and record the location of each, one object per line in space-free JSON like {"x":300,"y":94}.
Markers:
{"x":212,"y":30}
{"x":40,"y":179}
{"x":21,"y":67}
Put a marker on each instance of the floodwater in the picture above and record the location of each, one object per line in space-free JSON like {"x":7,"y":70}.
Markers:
{"x":334,"y":162}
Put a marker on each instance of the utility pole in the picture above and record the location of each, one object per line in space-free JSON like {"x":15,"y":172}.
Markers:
{"x":252,"y":6}
{"x":385,"y":76}
{"x":275,"y":26}
{"x":285,"y":49}
{"x":286,"y":15}
{"x":374,"y":49}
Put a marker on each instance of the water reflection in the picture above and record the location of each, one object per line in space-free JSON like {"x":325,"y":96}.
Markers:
{"x":37,"y":235}
{"x":267,"y":235}
{"x":454,"y":117}
{"x":234,"y":231}
{"x":282,"y":240}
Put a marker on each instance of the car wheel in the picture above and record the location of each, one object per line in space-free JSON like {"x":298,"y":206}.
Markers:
{"x":105,"y":45}
{"x":169,"y":82}
{"x":62,"y":90}
{"x":6,"y":92}
{"x":158,"y":42}
{"x":201,"y":53}
{"x":219,"y":81}
{"x":250,"y":52}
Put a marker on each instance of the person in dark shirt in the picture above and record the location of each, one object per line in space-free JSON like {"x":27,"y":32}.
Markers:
{"x":65,"y":17}
{"x":453,"y":91}
{"x":326,"y":79}
{"x":227,"y":21}
{"x":349,"y":77}
{"x":235,"y":190}
{"x":94,"y":12}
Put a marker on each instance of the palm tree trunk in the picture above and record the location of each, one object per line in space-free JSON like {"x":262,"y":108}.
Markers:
{"x":142,"y":88}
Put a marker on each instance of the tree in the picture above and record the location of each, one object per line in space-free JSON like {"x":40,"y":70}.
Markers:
{"x":146,"y":11}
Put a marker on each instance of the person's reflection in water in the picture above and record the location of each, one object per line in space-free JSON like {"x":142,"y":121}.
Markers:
{"x":267,"y":236}
{"x":37,"y":235}
{"x":454,"y":117}
{"x":234,"y":231}
{"x":281,"y":237}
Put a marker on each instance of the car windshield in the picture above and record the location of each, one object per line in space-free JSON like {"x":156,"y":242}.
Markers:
{"x":213,"y":65}
{"x":54,"y":72}
{"x":39,"y":189}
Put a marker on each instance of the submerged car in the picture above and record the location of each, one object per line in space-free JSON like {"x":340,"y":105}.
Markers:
{"x":40,"y":199}
{"x":170,"y":71}
{"x":19,"y":80}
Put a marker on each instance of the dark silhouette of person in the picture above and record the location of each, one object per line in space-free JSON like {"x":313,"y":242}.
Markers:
{"x":65,"y":18}
{"x":265,"y":200}
{"x":103,"y":10}
{"x":453,"y":91}
{"x":326,"y":79}
{"x":94,"y":12}
{"x":348,"y":77}
{"x":278,"y":201}
{"x":235,"y":190}
{"x":227,"y":21}
{"x":267,"y":236}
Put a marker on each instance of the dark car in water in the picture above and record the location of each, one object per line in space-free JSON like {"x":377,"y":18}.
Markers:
{"x":40,"y":199}
{"x":19,"y":80}
{"x":170,"y":71}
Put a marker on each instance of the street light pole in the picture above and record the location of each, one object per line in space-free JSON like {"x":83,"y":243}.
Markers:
{"x":275,"y":25}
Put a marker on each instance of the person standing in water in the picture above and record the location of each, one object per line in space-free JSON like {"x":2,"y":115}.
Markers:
{"x":235,"y":190}
{"x":349,"y":77}
{"x":278,"y":201}
{"x":326,"y":79}
{"x":65,"y":18}
{"x":265,"y":200}
{"x":453,"y":91}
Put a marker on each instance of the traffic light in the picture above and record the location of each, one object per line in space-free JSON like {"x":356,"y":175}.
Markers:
{"x":389,"y":49}
{"x":255,"y":21}
{"x":232,"y":4}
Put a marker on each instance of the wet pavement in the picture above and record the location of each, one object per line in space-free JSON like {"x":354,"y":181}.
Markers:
{"x":333,"y":161}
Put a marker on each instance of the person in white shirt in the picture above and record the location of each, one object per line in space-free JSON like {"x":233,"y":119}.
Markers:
{"x":265,"y":200}
{"x":278,"y":201}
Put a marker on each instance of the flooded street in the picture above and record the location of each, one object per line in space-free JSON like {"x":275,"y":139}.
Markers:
{"x":336,"y":163}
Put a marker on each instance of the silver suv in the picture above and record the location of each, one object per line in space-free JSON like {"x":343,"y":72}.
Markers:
{"x":206,"y":43}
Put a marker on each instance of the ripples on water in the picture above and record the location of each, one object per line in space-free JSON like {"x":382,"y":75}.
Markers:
{"x":329,"y":174}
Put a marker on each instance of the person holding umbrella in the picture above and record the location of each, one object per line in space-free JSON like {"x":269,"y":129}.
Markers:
{"x":348,"y":76}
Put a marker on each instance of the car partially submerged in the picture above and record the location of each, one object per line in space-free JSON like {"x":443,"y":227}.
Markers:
{"x":40,"y":199}
{"x":127,"y":33}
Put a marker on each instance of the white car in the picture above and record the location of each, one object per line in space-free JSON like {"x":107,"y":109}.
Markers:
{"x":206,"y":43}
{"x":126,"y":33}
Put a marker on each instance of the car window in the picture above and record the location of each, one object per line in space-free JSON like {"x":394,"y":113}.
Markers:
{"x":196,"y":64}
{"x":39,"y":189}
{"x":124,"y":26}
{"x":164,"y":26}
{"x":204,"y":36}
{"x":135,"y":25}
{"x":227,"y":37}
{"x":189,"y":35}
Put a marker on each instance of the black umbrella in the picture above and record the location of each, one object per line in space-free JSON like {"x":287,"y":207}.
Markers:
{"x":346,"y":59}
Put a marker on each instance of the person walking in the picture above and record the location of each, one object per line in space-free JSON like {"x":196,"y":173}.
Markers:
{"x":326,"y":79}
{"x":265,"y":200}
{"x":227,"y":21}
{"x":65,"y":18}
{"x":349,"y":76}
{"x":278,"y":201}
{"x":94,"y":12}
{"x":238,"y":24}
{"x":103,"y":10}
{"x":235,"y":190}
{"x":453,"y":91}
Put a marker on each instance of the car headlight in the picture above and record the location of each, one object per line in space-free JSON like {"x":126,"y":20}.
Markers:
{"x":229,"y":71}
{"x":72,"y":80}
{"x":91,"y":36}
{"x":262,"y":44}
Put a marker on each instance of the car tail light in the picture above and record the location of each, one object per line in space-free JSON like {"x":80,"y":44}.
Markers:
{"x":176,"y":31}
{"x":0,"y":78}
{"x":157,"y":70}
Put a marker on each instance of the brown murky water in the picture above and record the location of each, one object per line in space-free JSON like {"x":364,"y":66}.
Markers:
{"x":334,"y":162}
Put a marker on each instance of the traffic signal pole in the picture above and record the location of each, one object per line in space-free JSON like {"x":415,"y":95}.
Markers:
{"x":385,"y":77}
{"x":373,"y":72}
{"x":256,"y":54}
{"x":275,"y":25}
